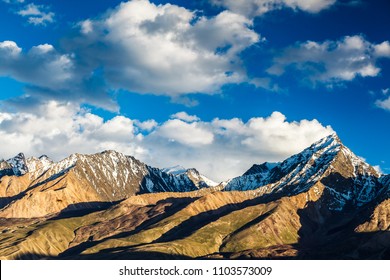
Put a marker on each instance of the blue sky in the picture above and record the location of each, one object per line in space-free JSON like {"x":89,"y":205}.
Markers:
{"x":212,"y":84}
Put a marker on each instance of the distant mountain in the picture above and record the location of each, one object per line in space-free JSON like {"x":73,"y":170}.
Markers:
{"x":39,"y":186}
{"x":322,"y":203}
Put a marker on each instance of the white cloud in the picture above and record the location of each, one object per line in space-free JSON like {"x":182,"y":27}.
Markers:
{"x":331,"y":61}
{"x":42,"y":49}
{"x":251,"y":8}
{"x":311,"y":6}
{"x":60,"y":129}
{"x":383,"y":49}
{"x":42,"y":65}
{"x":148,"y":125}
{"x":37,"y":14}
{"x":274,"y":133}
{"x":10,"y":49}
{"x":165,"y":49}
{"x":189,"y":134}
{"x":119,"y":130}
{"x":384,"y":104}
{"x":30,"y":10}
{"x":221,"y":148}
{"x":86,"y":26}
{"x":184,"y":117}
{"x":230,"y":146}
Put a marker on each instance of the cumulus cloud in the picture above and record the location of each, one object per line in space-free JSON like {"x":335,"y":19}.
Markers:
{"x":42,"y":65}
{"x":221,"y":148}
{"x":165,"y":49}
{"x":36,"y":14}
{"x":332,"y":62}
{"x":9,"y":48}
{"x":189,"y":134}
{"x":251,"y":8}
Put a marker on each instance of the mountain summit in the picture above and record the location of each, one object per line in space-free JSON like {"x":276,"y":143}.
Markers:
{"x":346,"y":177}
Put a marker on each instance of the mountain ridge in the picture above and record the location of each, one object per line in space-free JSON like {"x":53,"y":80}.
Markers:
{"x":322,"y":203}
{"x":114,"y":176}
{"x":81,"y":179}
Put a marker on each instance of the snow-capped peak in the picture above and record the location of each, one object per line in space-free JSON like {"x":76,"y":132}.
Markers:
{"x":329,"y":144}
{"x":300,"y":169}
{"x":175,"y":170}
{"x":347,"y":178}
{"x":198,"y":179}
{"x":328,"y":140}
{"x":37,"y":166}
{"x":18,"y":164}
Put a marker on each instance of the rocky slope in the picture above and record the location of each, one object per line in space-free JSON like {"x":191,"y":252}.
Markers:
{"x":38,"y":186}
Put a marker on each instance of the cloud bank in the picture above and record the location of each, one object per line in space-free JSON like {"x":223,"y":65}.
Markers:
{"x":219,"y":148}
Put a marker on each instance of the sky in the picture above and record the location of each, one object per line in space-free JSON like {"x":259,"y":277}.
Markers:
{"x":217,"y":85}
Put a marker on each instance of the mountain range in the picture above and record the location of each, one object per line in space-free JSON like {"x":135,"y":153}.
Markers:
{"x":322,"y":203}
